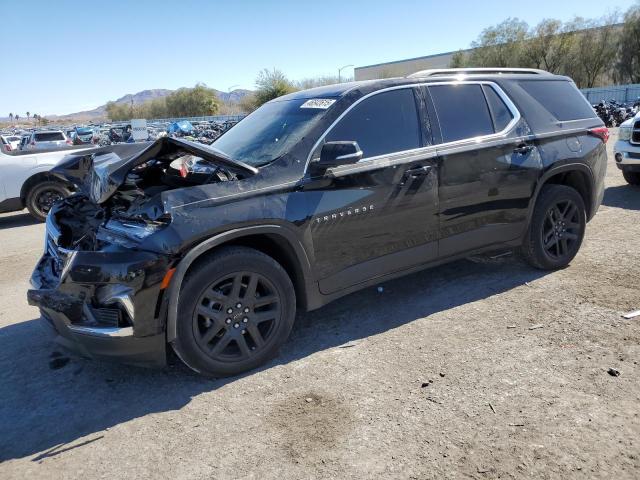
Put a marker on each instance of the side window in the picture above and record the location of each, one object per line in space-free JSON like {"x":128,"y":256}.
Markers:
{"x":382,"y":124}
{"x":462,"y":111}
{"x":501,"y":114}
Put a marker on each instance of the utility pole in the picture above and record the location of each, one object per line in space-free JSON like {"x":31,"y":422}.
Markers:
{"x":340,"y":71}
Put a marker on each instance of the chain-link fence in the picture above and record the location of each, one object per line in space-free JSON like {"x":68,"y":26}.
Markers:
{"x":619,"y":93}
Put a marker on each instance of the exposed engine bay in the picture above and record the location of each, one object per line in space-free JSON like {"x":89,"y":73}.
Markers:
{"x":120,"y":196}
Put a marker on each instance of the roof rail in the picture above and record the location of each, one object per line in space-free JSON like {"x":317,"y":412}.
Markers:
{"x":476,"y":71}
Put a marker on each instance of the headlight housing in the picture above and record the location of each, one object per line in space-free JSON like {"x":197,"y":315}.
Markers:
{"x":624,"y":132}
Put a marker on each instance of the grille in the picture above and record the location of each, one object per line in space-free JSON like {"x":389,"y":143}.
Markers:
{"x":58,"y":256}
{"x":633,"y":155}
{"x":635,"y":135}
{"x":107,"y":316}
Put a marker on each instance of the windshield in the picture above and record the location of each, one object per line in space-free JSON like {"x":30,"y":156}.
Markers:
{"x":269,"y":132}
{"x":84,"y":131}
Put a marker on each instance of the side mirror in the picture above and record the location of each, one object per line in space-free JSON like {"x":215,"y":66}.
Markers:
{"x":334,"y":154}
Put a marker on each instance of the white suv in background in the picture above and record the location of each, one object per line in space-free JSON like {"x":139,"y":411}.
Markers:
{"x":25,"y":182}
{"x":9,"y":143}
{"x":627,"y":150}
{"x":47,"y":140}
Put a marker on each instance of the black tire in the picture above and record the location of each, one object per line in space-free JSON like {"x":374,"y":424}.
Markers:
{"x":632,"y":178}
{"x":557,"y":228}
{"x":42,"y":196}
{"x":214,"y":342}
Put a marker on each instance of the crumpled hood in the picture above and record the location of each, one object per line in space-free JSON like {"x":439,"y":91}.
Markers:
{"x":101,"y":171}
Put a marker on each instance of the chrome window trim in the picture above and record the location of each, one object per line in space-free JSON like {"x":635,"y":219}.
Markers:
{"x":471,"y":141}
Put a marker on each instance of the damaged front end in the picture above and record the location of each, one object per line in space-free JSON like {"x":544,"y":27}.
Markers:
{"x":100,"y":281}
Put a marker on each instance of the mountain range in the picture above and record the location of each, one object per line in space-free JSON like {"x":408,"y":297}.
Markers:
{"x":146,"y":95}
{"x":141,"y":97}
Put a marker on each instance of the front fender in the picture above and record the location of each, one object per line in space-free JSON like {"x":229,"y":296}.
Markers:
{"x":173,"y":294}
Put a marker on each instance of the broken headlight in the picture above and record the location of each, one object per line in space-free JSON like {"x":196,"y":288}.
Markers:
{"x":128,"y":233}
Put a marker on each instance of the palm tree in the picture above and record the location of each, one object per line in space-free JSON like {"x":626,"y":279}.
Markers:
{"x":17,"y":117}
{"x":35,"y":118}
{"x":27,"y":116}
{"x":11,"y":117}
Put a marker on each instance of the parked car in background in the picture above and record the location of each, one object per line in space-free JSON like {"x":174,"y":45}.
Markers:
{"x":314,"y":195}
{"x":24,"y":140}
{"x":9,"y":143}
{"x":627,"y":150}
{"x":82,"y":136}
{"x":46,"y":140}
{"x":25,"y":182}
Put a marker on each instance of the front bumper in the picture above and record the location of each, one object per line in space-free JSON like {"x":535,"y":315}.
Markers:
{"x":102,"y":304}
{"x":626,"y":154}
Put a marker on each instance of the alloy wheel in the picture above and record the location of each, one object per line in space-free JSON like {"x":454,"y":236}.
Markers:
{"x":561,"y":229}
{"x":236,"y":316}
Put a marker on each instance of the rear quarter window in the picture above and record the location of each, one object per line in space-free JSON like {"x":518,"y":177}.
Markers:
{"x":560,"y":98}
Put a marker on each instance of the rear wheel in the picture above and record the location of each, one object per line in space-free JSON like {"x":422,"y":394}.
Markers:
{"x":557,"y":228}
{"x":42,"y":196}
{"x":237,"y":307}
{"x":632,"y":178}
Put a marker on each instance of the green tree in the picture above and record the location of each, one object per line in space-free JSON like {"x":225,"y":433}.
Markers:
{"x":548,"y":46}
{"x":500,"y":45}
{"x":459,"y":60}
{"x":594,"y":50}
{"x":271,"y":84}
{"x":191,"y":102}
{"x":11,"y":117}
{"x":628,"y":63}
{"x":319,"y":82}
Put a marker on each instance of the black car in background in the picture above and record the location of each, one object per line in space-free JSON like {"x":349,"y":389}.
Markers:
{"x":314,"y":195}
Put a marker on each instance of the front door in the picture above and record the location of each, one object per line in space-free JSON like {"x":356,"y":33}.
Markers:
{"x":378,"y":216}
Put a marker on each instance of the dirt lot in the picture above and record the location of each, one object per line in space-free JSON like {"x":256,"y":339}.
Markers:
{"x":440,"y":375}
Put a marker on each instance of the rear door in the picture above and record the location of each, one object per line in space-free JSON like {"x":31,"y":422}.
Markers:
{"x":378,"y":216}
{"x":487,"y":171}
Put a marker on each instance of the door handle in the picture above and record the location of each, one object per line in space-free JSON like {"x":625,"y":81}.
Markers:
{"x":523,"y":149}
{"x":418,"y":171}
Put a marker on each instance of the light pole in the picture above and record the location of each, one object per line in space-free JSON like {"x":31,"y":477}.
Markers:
{"x":340,"y":70}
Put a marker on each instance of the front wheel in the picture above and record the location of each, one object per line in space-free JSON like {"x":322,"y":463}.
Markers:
{"x":237,"y":307}
{"x":557,"y":228}
{"x":42,"y":196}
{"x":632,"y":178}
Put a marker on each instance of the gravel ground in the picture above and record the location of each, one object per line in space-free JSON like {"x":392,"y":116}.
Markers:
{"x":478,"y":369}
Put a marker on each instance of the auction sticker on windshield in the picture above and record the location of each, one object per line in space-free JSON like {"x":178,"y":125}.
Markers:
{"x":322,"y":103}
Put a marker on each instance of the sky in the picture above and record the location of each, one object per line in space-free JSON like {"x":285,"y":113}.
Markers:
{"x":66,"y":56}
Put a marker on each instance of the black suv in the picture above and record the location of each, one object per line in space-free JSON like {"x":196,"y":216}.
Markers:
{"x":312,"y":196}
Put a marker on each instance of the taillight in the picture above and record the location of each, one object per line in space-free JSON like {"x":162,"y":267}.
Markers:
{"x":33,"y":142}
{"x":69,"y":142}
{"x":8,"y":147}
{"x":601,"y":132}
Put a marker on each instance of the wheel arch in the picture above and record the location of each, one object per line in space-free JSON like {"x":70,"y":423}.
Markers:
{"x":274,"y":240}
{"x":35,"y":179}
{"x":575,"y":175}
